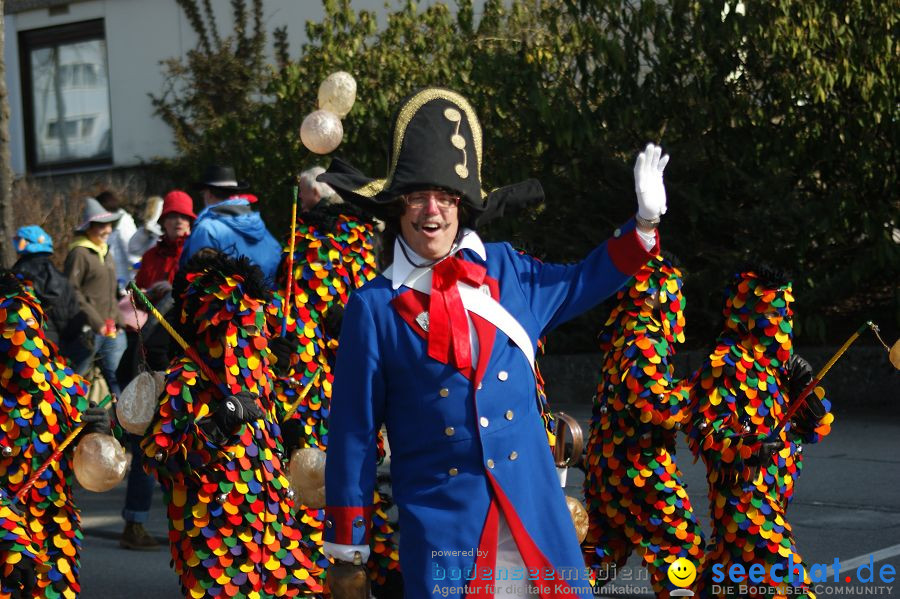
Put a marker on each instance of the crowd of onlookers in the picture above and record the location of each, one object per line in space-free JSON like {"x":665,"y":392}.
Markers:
{"x":91,"y":316}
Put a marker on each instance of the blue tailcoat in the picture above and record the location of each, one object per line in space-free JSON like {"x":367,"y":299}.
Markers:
{"x":457,"y":442}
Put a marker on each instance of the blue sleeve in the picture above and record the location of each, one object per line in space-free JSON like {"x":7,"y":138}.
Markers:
{"x":559,"y":292}
{"x":357,"y":412}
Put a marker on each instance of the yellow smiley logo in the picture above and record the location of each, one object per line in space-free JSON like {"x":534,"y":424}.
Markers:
{"x":682,"y":572}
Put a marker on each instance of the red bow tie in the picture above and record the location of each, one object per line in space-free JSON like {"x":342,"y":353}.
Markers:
{"x":448,"y":326}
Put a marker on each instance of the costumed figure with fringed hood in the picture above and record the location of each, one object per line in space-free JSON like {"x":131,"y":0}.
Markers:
{"x":440,"y":348}
{"x":334,"y":254}
{"x":213,"y":444}
{"x":43,"y":401}
{"x":634,"y":492}
{"x":739,"y":396}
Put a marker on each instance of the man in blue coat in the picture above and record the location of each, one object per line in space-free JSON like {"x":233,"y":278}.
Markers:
{"x":229,"y":225}
{"x":440,"y":348}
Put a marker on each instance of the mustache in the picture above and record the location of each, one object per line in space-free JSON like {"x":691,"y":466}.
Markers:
{"x":418,"y":226}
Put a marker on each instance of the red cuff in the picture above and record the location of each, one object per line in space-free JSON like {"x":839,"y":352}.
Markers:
{"x":626,"y":250}
{"x":348,"y":525}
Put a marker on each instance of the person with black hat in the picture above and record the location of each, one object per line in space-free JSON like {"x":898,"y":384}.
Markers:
{"x":228,"y":224}
{"x":92,"y":273}
{"x":440,"y":348}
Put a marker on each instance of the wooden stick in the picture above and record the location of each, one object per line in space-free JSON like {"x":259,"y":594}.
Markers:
{"x":190,"y":351}
{"x":293,"y":408}
{"x":800,"y":400}
{"x":20,"y":495}
{"x":290,"y":265}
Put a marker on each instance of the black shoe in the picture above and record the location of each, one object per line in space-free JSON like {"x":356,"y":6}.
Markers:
{"x":135,"y":536}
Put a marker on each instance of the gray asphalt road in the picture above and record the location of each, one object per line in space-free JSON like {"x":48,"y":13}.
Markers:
{"x":847,"y":506}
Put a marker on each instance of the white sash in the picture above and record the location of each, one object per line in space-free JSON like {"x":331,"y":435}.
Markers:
{"x":485,"y":306}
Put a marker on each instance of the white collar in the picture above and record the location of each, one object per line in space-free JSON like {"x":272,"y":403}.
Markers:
{"x":403,"y":272}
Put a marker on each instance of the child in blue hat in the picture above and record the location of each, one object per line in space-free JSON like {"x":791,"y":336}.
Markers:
{"x":64,"y":317}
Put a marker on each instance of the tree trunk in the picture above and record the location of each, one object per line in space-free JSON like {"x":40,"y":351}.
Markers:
{"x":7,"y":226}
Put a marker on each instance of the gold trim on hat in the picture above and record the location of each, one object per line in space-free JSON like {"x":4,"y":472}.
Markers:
{"x":406,"y":115}
{"x":372,"y":188}
{"x":458,"y":142}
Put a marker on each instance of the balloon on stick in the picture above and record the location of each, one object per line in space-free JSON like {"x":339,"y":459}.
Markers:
{"x":579,"y":517}
{"x":337,"y":93}
{"x":99,"y":462}
{"x":321,"y":131}
{"x":137,"y":403}
{"x":307,"y":476}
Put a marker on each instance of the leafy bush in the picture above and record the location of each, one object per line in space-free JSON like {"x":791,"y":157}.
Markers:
{"x":781,"y":120}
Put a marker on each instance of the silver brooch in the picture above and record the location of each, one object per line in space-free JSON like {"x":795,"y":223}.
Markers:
{"x":422,"y":319}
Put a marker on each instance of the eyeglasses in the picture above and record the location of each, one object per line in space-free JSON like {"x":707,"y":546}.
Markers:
{"x":420,"y":199}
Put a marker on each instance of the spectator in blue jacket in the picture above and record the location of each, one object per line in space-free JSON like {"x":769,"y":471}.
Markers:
{"x":228,"y":224}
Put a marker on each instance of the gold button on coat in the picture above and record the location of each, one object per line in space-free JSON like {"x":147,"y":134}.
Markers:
{"x":490,"y":463}
{"x":513,"y":455}
{"x":449,"y":431}
{"x":502,"y":375}
{"x":445,"y":392}
{"x":453,"y":471}
{"x":484,"y":421}
{"x":509,"y":414}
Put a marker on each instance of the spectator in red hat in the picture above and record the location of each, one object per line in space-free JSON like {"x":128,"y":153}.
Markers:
{"x":161,"y":261}
{"x":157,"y":270}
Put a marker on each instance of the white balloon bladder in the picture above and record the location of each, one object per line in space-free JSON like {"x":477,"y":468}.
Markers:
{"x":321,"y":131}
{"x":307,"y":476}
{"x":100,"y":463}
{"x":137,"y":403}
{"x":338,"y":93}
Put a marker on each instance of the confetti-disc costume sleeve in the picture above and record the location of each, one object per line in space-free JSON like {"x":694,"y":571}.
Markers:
{"x":634,"y":492}
{"x":231,"y":530}
{"x":334,"y":255}
{"x":739,"y":394}
{"x":42,"y":402}
{"x":16,"y":547}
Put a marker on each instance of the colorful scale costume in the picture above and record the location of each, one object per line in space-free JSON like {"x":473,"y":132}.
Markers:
{"x":16,"y":549}
{"x":635,"y":497}
{"x":231,"y":528}
{"x":334,"y":254}
{"x":739,"y":395}
{"x":42,"y":402}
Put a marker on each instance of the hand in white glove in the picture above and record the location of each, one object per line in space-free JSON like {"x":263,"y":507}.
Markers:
{"x":648,"y":182}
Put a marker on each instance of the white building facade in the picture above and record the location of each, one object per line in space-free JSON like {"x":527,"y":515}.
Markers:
{"x":80,"y":73}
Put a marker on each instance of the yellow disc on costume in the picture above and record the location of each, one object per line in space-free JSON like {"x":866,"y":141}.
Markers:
{"x":682,"y":572}
{"x":100,"y":462}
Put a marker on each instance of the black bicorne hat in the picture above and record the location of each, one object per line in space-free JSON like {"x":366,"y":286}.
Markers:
{"x":435,"y":143}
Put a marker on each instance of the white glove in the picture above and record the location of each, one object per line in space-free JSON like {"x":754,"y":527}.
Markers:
{"x":561,"y":475}
{"x":648,"y":182}
{"x":345,"y":553}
